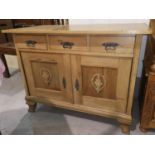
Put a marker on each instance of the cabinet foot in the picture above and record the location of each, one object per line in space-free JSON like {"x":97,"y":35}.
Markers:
{"x":32,"y":106}
{"x":125,"y":128}
{"x":142,"y":129}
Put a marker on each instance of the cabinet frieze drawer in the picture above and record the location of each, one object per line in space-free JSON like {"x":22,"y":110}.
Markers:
{"x":27,"y":41}
{"x":118,"y":44}
{"x":68,"y":42}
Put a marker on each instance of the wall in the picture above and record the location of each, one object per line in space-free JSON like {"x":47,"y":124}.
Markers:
{"x":106,"y":21}
{"x":12,"y":61}
{"x":114,"y":21}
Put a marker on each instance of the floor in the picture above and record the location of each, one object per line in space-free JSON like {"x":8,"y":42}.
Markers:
{"x":15,"y":119}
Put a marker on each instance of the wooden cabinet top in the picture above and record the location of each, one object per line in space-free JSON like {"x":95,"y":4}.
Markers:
{"x":85,"y":29}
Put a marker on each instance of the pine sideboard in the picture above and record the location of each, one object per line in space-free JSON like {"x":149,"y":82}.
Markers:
{"x":90,"y":68}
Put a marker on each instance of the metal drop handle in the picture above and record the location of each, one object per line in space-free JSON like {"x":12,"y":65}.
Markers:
{"x":64,"y":82}
{"x":67,"y":44}
{"x":110,"y":45}
{"x":31,"y":43}
{"x":77,"y":85}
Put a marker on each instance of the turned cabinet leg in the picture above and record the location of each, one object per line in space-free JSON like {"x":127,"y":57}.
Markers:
{"x":125,"y":128}
{"x":6,"y":72}
{"x":32,"y":106}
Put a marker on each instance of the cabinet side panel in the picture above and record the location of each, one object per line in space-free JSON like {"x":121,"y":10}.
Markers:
{"x":134,"y":69}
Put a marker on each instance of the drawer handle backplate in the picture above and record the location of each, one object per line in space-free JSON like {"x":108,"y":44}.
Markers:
{"x":64,"y":82}
{"x":67,"y":44}
{"x":30,"y":43}
{"x":77,"y":85}
{"x":110,"y":45}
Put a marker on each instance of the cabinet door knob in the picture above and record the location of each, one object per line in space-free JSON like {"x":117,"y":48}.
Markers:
{"x":67,"y":44}
{"x":64,"y":82}
{"x":30,"y":43}
{"x":110,"y":45}
{"x":77,"y":85}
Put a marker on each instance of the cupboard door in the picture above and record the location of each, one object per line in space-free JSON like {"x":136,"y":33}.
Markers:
{"x":48,"y":75}
{"x":101,"y":82}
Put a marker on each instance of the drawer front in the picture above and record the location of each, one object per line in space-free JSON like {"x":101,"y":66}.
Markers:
{"x":112,"y":44}
{"x":37,"y":42}
{"x":68,"y":42}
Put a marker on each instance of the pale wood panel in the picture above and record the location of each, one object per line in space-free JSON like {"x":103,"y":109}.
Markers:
{"x":76,"y":75}
{"x":111,"y":75}
{"x":37,"y":85}
{"x":40,"y":41}
{"x":124,"y":71}
{"x":85,"y":53}
{"x":67,"y":74}
{"x":99,"y":61}
{"x":134,"y":72}
{"x":79,"y":42}
{"x":86,"y":29}
{"x":124,"y":43}
{"x":100,"y":103}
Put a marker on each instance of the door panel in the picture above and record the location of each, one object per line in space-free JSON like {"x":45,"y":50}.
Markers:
{"x":103,"y":81}
{"x":94,"y":83}
{"x":48,"y":75}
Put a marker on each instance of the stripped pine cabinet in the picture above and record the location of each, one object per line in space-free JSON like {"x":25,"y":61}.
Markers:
{"x":90,"y":69}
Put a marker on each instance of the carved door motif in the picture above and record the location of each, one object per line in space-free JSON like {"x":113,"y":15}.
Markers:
{"x":98,"y":82}
{"x":103,"y":81}
{"x":48,"y":75}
